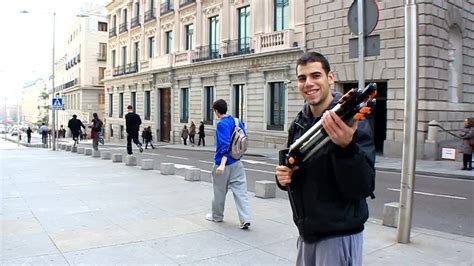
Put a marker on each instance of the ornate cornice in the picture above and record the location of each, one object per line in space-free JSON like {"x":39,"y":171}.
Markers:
{"x":239,"y":2}
{"x":212,"y":10}
{"x":168,"y":26}
{"x":136,"y":37}
{"x":188,"y":18}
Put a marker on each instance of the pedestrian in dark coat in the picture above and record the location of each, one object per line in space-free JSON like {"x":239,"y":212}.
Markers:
{"x":148,"y":137}
{"x":132,"y":123}
{"x":202,"y":135}
{"x":28,"y":134}
{"x":467,"y":144}
{"x":185,"y":134}
{"x":192,"y":133}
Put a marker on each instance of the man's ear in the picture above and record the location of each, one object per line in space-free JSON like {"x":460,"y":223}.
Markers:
{"x":331,"y":77}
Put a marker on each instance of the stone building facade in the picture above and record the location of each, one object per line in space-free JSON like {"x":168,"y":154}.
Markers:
{"x":446,"y":65}
{"x":172,"y":59}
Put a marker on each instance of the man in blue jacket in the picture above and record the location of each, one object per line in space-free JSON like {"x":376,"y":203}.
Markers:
{"x":227,"y":171}
{"x":329,"y":190}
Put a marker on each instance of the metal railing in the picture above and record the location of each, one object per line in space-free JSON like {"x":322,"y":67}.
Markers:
{"x":112,"y":32}
{"x":125,"y":69}
{"x":207,"y":52}
{"x":101,"y":57}
{"x":185,"y":2}
{"x":135,"y":22}
{"x":238,"y":47}
{"x":123,"y":27}
{"x":166,"y":7}
{"x":150,"y":14}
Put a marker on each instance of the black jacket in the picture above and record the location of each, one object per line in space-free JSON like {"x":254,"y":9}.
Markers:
{"x":75,"y":125}
{"x":330,"y":189}
{"x":132,"y":122}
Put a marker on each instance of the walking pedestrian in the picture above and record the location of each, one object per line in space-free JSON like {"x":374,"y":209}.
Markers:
{"x":202,"y":135}
{"x":75,"y":125}
{"x":43,"y":130}
{"x":227,"y":172}
{"x":96,"y":130}
{"x":28,"y":135}
{"x":328,"y":192}
{"x":192,"y":133}
{"x":148,"y":137}
{"x":185,"y":134}
{"x":467,"y":144}
{"x":132,"y":122}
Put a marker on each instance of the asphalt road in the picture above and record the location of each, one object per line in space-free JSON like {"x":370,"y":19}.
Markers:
{"x":442,"y":204}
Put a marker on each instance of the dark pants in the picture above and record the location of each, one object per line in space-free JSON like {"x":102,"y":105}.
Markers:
{"x":203,"y":141}
{"x":184,"y":139}
{"x":467,"y":161}
{"x":148,"y":142}
{"x":132,"y":136}
{"x":45,"y":138}
{"x":191,"y":139}
{"x":29,"y":139}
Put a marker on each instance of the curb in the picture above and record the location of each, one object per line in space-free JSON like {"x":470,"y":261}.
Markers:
{"x":429,"y":173}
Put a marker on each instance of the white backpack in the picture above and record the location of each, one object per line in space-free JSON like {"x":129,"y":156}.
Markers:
{"x":238,"y":141}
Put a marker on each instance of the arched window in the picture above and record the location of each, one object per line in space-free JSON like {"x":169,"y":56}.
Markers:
{"x":455,"y":65}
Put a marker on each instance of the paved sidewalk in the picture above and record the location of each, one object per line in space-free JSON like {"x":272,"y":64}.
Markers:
{"x":64,"y":208}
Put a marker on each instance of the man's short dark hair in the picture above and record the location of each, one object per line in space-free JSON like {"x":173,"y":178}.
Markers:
{"x":74,"y":116}
{"x":313,"y":57}
{"x":94,"y":114}
{"x":130,"y":107}
{"x":220,"y":106}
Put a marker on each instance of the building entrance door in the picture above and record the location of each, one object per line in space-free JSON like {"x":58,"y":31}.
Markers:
{"x":165,"y":114}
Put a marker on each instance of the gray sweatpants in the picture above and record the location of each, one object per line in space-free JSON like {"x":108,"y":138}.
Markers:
{"x":341,"y":250}
{"x":235,"y":179}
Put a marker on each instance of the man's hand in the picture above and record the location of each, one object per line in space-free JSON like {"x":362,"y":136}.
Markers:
{"x":338,"y":131}
{"x":220,"y":169}
{"x":284,"y":173}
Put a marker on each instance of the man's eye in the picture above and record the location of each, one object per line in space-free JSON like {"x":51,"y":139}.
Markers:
{"x":302,"y":79}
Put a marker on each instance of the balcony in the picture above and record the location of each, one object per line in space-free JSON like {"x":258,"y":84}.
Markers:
{"x":185,"y":2}
{"x":112,"y":32}
{"x":238,"y":47}
{"x":101,"y":57}
{"x":150,"y":14}
{"x":166,"y":8}
{"x":123,"y":27}
{"x":276,"y":41}
{"x":70,"y":83}
{"x":207,"y":52}
{"x":135,"y":22}
{"x":125,"y":69}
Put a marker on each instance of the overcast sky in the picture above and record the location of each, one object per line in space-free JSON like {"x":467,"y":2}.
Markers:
{"x":26,"y":46}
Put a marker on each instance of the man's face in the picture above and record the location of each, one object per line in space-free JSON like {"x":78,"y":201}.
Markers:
{"x":314,"y":84}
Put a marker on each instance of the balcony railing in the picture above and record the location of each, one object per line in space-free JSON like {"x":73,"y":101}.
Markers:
{"x":123,"y":27}
{"x":101,"y":57}
{"x":135,"y":22}
{"x":150,"y":14}
{"x":207,"y":52}
{"x":125,"y":69}
{"x":276,"y":40}
{"x":238,"y":47}
{"x":185,"y":2}
{"x":112,"y":32}
{"x":166,"y":7}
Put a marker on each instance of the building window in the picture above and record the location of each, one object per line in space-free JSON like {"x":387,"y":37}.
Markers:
{"x":136,"y":54}
{"x":244,"y":28}
{"x":111,"y":104}
{"x":214,"y":37}
{"x":277,"y":106}
{"x":122,"y":129}
{"x":184,"y":116}
{"x":168,"y":41}
{"x":101,"y":98}
{"x":102,"y":52}
{"x":189,"y":30}
{"x":102,"y":26}
{"x":124,"y":55}
{"x":111,"y":130}
{"x":101,"y":74}
{"x":281,"y":15}
{"x":114,"y":63}
{"x":151,"y":47}
{"x":147,"y":105}
{"x":133,"y":100}
{"x":120,"y":105}
{"x":239,"y":101}
{"x":208,"y":101}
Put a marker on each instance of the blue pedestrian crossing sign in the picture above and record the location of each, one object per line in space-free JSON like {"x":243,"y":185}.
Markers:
{"x":57,"y":104}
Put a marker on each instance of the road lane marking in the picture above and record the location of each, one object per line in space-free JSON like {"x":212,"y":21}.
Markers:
{"x":431,"y":194}
{"x":257,"y":162}
{"x":176,"y":157}
{"x":206,"y":162}
{"x":261,"y":171}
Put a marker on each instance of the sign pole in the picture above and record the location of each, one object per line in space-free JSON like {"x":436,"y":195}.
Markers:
{"x":360,"y":21}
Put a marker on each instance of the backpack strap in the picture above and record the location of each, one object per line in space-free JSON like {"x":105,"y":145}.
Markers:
{"x":236,"y":120}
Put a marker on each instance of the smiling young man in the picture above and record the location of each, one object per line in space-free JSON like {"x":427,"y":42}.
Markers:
{"x":330,"y":189}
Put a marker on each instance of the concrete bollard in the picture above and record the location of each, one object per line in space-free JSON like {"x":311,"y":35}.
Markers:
{"x":105,"y":155}
{"x":74,"y":149}
{"x":88,"y":152}
{"x":192,"y":174}
{"x":80,"y":150}
{"x":131,"y":160}
{"x":390,"y":214}
{"x":265,"y":189}
{"x":95,"y":154}
{"x":117,"y":157}
{"x":167,"y":168}
{"x":68,"y":147}
{"x":147,"y":164}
